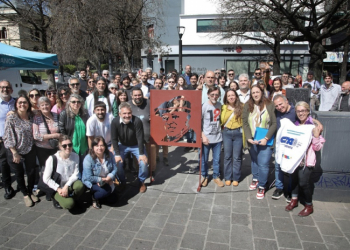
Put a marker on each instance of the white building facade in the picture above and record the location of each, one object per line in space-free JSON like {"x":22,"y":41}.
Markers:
{"x":207,"y":51}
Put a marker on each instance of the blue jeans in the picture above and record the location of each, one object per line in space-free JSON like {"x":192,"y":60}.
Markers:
{"x":134,"y":150}
{"x":191,"y":136}
{"x":233,"y":144}
{"x":278,"y":174}
{"x":216,"y":148}
{"x":260,"y":159}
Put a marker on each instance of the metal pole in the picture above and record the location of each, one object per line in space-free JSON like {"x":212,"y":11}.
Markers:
{"x":180,"y":56}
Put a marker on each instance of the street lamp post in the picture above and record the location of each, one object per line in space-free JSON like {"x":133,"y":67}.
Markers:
{"x":181,"y":31}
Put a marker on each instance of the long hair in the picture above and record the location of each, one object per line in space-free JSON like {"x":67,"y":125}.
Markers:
{"x":273,"y":88}
{"x":29,"y":110}
{"x":262,"y":102}
{"x":59,"y":101}
{"x":95,"y":142}
{"x":105,"y":93}
{"x":119,"y":93}
{"x":69,"y":111}
{"x":237,"y":104}
{"x":184,"y":86}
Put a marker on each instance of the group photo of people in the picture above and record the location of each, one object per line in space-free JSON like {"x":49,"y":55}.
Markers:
{"x":82,"y":137}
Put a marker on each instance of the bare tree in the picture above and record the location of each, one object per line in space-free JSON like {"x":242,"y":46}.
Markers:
{"x":305,"y":20}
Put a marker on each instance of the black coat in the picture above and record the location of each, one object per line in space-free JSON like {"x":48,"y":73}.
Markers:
{"x":66,"y":123}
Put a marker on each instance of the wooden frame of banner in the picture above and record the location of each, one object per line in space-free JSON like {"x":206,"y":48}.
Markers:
{"x":159,"y":97}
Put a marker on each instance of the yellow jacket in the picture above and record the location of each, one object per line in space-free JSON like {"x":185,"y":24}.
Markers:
{"x":225,"y":115}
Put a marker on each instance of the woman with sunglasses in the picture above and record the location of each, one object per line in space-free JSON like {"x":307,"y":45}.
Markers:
{"x":63,"y":95}
{"x":91,"y":84}
{"x":72,"y":122}
{"x":100,"y":171}
{"x":43,"y":122}
{"x":259,"y":112}
{"x":67,"y":188}
{"x":20,"y":148}
{"x":51,"y":93}
{"x":34,"y":95}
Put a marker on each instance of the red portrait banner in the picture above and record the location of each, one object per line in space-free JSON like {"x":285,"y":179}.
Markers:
{"x":173,"y":114}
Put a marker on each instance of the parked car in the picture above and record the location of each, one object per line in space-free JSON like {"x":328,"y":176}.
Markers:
{"x":65,"y":75}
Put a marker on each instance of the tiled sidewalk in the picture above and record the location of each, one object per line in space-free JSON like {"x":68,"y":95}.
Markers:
{"x":172,"y":215}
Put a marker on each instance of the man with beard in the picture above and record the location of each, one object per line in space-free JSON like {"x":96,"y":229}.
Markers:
{"x":194,"y":81}
{"x":158,"y":83}
{"x":141,"y":108}
{"x":230,"y":76}
{"x":99,"y":124}
{"x":285,"y":84}
{"x":116,"y":80}
{"x":128,"y":136}
{"x":83,"y":79}
{"x":145,"y":86}
{"x":342,"y":103}
{"x":126,"y":85}
{"x":7,"y":103}
{"x":257,"y":76}
{"x":187,"y":74}
{"x":74,"y":85}
{"x":328,"y":93}
{"x":244,"y":91}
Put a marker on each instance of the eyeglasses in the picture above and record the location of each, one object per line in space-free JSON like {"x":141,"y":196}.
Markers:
{"x":112,"y":88}
{"x":231,"y":74}
{"x":257,"y":73}
{"x":63,"y":94}
{"x":216,"y":95}
{"x":24,"y":103}
{"x":76,"y":102}
{"x":301,"y":111}
{"x":171,"y":82}
{"x":75,"y":84}
{"x":34,"y":95}
{"x":5,"y":87}
{"x":51,"y":93}
{"x":106,"y":74}
{"x":69,"y":145}
{"x":217,"y":73}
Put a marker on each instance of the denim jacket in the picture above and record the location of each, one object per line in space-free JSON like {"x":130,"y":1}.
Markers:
{"x":92,"y":169}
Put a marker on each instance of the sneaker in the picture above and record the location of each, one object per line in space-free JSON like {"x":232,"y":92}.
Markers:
{"x":278,"y":193}
{"x":165,"y":161}
{"x":288,"y":198}
{"x":235,"y":183}
{"x":28,"y":201}
{"x":260,"y":194}
{"x":219,"y":182}
{"x":228,"y":183}
{"x":204,"y":182}
{"x":253,"y":185}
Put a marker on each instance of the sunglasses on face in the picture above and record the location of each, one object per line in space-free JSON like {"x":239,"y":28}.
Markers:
{"x":69,"y":145}
{"x":24,"y":103}
{"x":257,"y":73}
{"x":217,"y":73}
{"x":75,"y":84}
{"x":231,"y":74}
{"x":112,"y":88}
{"x":76,"y":102}
{"x":63,"y":94}
{"x":106,"y":74}
{"x":34,"y":95}
{"x":51,"y":93}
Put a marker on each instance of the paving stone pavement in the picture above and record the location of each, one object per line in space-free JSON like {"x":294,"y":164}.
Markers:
{"x":172,"y":215}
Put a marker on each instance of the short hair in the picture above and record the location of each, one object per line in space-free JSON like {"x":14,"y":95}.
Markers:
{"x":112,"y":85}
{"x":194,"y":74}
{"x":279,"y":96}
{"x":117,"y":74}
{"x":257,"y":69}
{"x":213,"y":88}
{"x":4,"y":80}
{"x":245,"y":75}
{"x":82,"y":70}
{"x":126,"y":78}
{"x":44,"y":99}
{"x":303,"y":104}
{"x":160,"y":80}
{"x":149,"y":69}
{"x":125,"y":105}
{"x":136,"y":89}
{"x":73,"y":78}
{"x":230,"y":70}
{"x":162,"y":69}
{"x":100,"y":104}
{"x":328,"y":74}
{"x":105,"y":71}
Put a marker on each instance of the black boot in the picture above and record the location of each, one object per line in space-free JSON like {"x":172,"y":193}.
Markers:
{"x":9,"y":193}
{"x":56,"y":204}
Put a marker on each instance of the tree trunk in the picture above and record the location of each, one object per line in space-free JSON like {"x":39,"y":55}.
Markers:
{"x":344,"y":70}
{"x":318,"y":53}
{"x":277,"y":58}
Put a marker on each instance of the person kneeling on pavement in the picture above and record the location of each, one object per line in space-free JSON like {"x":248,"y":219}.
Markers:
{"x":100,"y":171}
{"x":61,"y":175}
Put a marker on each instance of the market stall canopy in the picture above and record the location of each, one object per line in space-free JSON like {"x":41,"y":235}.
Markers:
{"x":15,"y":58}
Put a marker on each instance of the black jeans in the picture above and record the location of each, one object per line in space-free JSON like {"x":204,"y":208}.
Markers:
{"x":5,"y":167}
{"x":30,"y":165}
{"x":301,"y":179}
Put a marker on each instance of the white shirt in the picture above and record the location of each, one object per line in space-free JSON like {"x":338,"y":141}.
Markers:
{"x":144,"y":91}
{"x":328,"y":96}
{"x":288,"y":86}
{"x":243,"y":98}
{"x":315,"y":85}
{"x":90,"y":102}
{"x":96,"y":128}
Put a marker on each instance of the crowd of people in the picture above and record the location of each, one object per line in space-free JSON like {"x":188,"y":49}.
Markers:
{"x":82,"y":135}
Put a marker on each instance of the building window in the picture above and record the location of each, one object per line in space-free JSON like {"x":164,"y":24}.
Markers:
{"x":3,"y":33}
{"x":206,"y":25}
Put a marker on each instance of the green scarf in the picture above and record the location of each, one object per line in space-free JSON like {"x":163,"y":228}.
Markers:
{"x":80,"y":144}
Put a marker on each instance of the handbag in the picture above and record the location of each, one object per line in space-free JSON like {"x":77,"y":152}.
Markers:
{"x":53,"y":142}
{"x":54,"y":176}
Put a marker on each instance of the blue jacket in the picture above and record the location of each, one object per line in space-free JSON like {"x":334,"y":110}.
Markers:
{"x":92,"y":169}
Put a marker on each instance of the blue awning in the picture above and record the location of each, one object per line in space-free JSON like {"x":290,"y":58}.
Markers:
{"x":15,"y":58}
